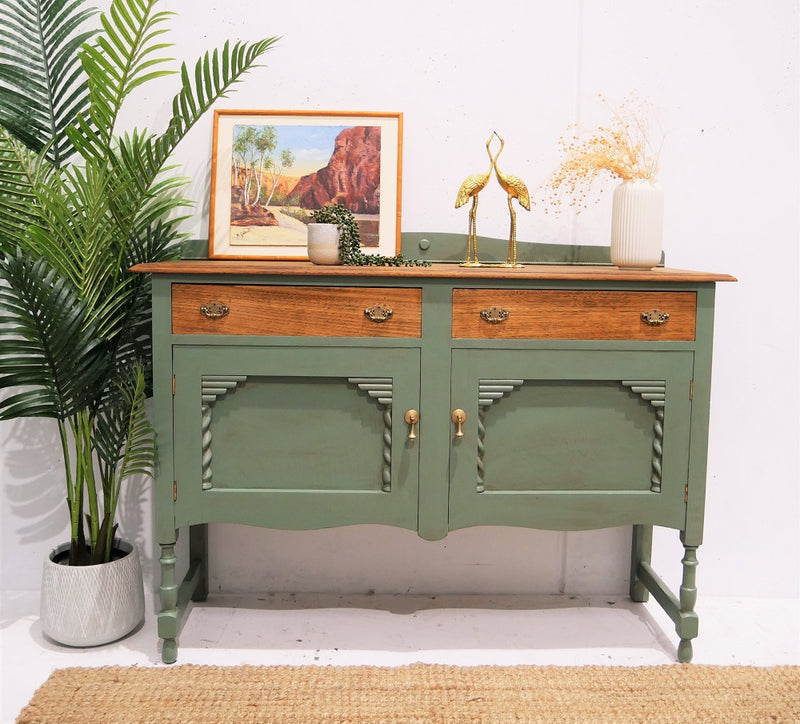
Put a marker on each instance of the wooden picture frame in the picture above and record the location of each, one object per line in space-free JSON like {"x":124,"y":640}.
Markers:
{"x":270,"y":169}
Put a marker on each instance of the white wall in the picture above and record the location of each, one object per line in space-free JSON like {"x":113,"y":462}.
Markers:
{"x":724,"y":76}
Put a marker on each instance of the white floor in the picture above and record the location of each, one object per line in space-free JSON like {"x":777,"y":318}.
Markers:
{"x":396,"y":630}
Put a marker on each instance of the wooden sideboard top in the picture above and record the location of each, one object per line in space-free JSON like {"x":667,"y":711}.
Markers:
{"x":533,"y":272}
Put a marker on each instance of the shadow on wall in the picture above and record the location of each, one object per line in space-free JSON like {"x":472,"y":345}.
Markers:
{"x":35,"y":491}
{"x":135,"y":514}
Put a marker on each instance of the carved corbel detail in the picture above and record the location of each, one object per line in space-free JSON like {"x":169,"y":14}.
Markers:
{"x":654,"y":392}
{"x":380,"y":389}
{"x":489,"y":392}
{"x":212,"y":387}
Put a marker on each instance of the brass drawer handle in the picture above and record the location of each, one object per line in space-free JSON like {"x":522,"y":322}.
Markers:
{"x":214,"y":310}
{"x":378,"y":313}
{"x":494,"y":315}
{"x":655,"y":318}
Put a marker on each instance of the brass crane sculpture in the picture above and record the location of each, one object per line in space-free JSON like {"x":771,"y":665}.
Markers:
{"x":516,"y":189}
{"x":470,"y":189}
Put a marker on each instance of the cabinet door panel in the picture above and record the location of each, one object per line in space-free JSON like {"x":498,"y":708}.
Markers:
{"x":559,"y":439}
{"x":304,"y":428}
{"x":575,"y":435}
{"x":295,"y":438}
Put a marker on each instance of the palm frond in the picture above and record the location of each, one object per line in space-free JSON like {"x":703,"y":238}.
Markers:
{"x":122,"y":57}
{"x":143,"y":157}
{"x":42,"y":84}
{"x":71,"y":231}
{"x":155,"y":243}
{"x":57,"y":214}
{"x":149,"y":193}
{"x":123,"y":437}
{"x":215,"y":73}
{"x":21,"y":170}
{"x":47,"y":344}
{"x":139,"y":455}
{"x":140,"y":157}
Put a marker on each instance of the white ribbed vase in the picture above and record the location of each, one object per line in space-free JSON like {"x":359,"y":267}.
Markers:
{"x":92,"y":605}
{"x":637,"y":224}
{"x":323,"y":244}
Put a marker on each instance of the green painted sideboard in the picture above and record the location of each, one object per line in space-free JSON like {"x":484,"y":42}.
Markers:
{"x":555,"y":396}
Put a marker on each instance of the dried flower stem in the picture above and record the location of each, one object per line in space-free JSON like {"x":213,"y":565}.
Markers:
{"x":620,"y":150}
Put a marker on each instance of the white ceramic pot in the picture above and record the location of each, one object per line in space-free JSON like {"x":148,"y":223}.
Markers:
{"x":92,"y":605}
{"x":323,"y":244}
{"x":637,"y":224}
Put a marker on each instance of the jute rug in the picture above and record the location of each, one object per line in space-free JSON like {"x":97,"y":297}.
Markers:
{"x":419,"y":694}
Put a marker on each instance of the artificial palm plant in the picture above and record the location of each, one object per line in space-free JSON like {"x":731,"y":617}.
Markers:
{"x":80,"y":203}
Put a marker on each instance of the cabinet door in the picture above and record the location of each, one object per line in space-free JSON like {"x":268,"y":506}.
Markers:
{"x":570,"y":439}
{"x":295,"y":437}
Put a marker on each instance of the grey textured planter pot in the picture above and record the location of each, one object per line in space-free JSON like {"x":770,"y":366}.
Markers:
{"x":323,"y":244}
{"x":92,"y":605}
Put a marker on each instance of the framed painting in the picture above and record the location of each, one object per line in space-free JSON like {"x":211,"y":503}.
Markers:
{"x":271,"y":169}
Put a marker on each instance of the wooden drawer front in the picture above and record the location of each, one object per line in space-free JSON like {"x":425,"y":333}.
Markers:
{"x":556,"y":314}
{"x":294,"y":311}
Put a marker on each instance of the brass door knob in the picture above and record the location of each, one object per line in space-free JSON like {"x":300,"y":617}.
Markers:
{"x":458,"y":417}
{"x":412,"y":418}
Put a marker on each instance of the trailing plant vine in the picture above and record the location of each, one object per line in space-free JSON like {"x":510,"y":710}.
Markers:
{"x":350,"y":239}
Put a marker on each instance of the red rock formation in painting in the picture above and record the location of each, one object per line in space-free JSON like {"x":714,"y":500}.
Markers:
{"x":352,"y":176}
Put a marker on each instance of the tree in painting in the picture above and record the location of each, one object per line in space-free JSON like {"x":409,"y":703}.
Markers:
{"x":253,"y":148}
{"x":276,"y":171}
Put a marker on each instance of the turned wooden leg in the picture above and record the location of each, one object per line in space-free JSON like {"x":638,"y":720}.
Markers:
{"x":688,"y":623}
{"x":168,"y":616}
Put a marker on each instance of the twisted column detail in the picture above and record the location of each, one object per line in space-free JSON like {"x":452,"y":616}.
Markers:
{"x":654,"y":392}
{"x":212,"y":387}
{"x":489,"y":392}
{"x":380,"y":389}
